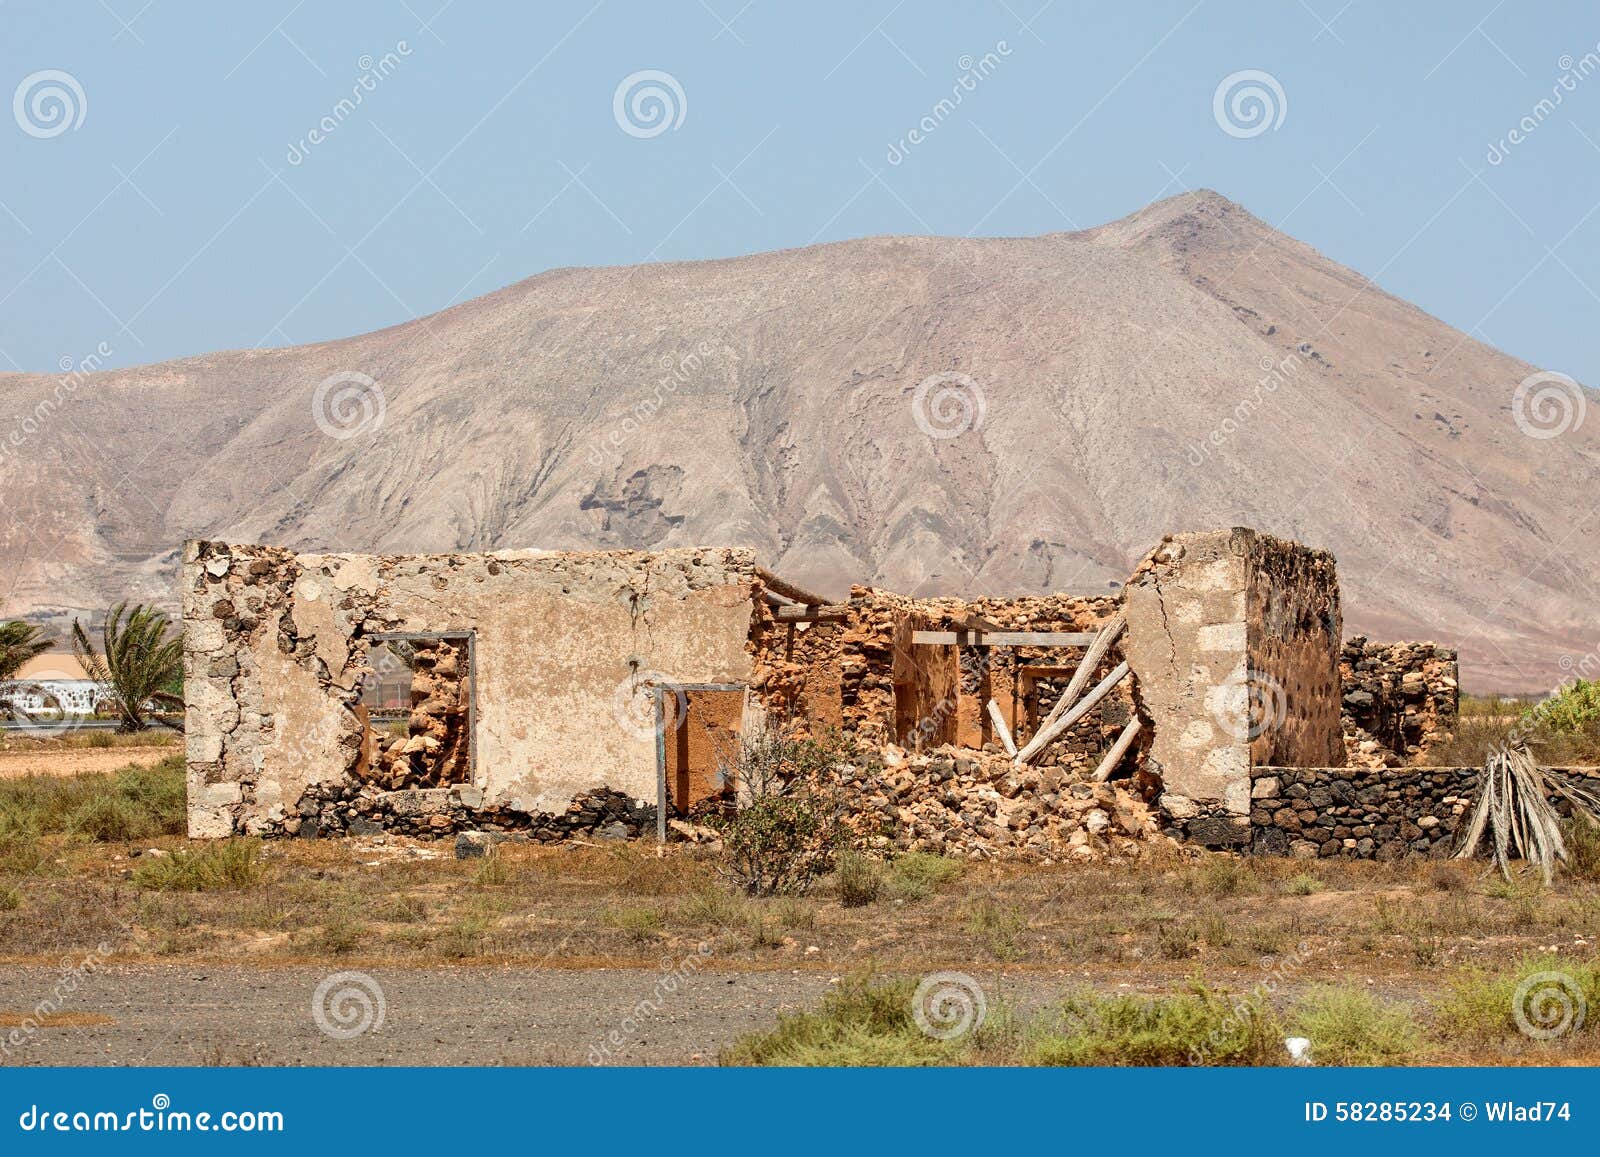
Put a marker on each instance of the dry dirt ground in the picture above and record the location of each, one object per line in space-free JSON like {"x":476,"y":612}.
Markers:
{"x":19,"y":760}
{"x":536,"y":954}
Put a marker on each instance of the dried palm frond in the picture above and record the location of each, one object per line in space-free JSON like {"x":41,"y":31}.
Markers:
{"x":1514,"y":808}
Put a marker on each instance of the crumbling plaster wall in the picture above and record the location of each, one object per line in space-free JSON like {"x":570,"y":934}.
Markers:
{"x":275,"y":654}
{"x":1233,"y":638}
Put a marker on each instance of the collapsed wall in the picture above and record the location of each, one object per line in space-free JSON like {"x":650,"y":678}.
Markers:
{"x":863,"y":673}
{"x":529,"y":697}
{"x":554,"y":716}
{"x":979,"y":805}
{"x":1234,"y":636}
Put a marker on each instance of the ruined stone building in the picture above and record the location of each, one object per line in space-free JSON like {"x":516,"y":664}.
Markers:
{"x":552,"y":693}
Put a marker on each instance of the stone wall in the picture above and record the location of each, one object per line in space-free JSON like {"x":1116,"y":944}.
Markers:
{"x":564,"y":648}
{"x":1233,"y":637}
{"x":893,"y":691}
{"x":1293,"y":626}
{"x":1399,"y":701}
{"x":1363,"y":813}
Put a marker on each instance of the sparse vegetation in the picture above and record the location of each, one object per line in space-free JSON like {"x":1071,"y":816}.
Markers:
{"x":1303,"y":885}
{"x":918,"y":875}
{"x":860,"y":879}
{"x":1347,"y":1026}
{"x":221,"y":864}
{"x":640,"y":922}
{"x":131,"y":804}
{"x":69,"y":880}
{"x":783,"y":837}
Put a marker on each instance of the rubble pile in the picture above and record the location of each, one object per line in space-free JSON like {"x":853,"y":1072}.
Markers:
{"x":980,"y":806}
{"x":1399,"y":701}
{"x":436,"y":749}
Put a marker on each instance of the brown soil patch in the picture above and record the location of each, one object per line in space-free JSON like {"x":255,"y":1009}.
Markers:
{"x":79,"y":760}
{"x":54,"y":1019}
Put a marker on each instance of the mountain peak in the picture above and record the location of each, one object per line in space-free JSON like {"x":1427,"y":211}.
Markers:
{"x":1032,"y":418}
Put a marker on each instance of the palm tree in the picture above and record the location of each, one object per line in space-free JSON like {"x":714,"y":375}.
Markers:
{"x":19,"y":642}
{"x":138,"y":660}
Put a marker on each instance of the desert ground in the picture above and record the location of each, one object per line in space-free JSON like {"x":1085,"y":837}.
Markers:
{"x":126,"y":943}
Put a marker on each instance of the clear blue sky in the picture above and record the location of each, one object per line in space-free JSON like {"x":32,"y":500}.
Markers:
{"x":170,"y":219}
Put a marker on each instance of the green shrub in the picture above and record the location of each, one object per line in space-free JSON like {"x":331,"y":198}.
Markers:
{"x":860,"y":879}
{"x":1480,"y":1004}
{"x":341,"y":934}
{"x":468,"y":935}
{"x":1348,"y":1026}
{"x":714,"y":905}
{"x":222,"y":864}
{"x":641,"y":923}
{"x":1571,"y":711}
{"x":109,"y":816}
{"x":917,"y":875}
{"x":783,"y":837}
{"x":861,"y":1023}
{"x":1303,"y":884}
{"x":1199,"y":1027}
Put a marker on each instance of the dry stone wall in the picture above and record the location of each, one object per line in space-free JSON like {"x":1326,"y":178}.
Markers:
{"x":1364,"y":813}
{"x":1399,"y":701}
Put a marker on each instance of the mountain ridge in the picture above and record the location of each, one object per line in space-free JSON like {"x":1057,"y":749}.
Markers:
{"x":975,"y":415}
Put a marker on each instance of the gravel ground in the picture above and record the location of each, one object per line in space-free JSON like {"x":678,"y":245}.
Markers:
{"x":199,"y":1015}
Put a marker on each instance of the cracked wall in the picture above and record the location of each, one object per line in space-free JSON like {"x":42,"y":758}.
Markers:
{"x":565,"y":645}
{"x":1234,"y":639}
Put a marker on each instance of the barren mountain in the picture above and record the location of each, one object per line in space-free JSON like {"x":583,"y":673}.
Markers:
{"x":1185,"y":367}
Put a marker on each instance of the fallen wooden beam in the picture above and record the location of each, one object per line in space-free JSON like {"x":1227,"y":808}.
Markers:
{"x":1047,"y":735}
{"x":1118,"y":750}
{"x":787,"y":589}
{"x":828,"y":613}
{"x":965,"y":638}
{"x":1002,"y":730}
{"x":1091,"y":659}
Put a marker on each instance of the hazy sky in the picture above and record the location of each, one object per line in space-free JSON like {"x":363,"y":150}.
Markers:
{"x":165,"y":195}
